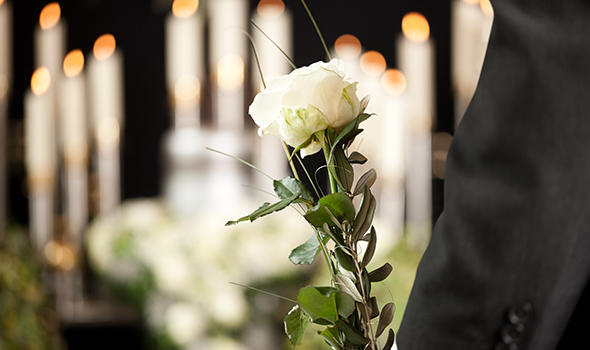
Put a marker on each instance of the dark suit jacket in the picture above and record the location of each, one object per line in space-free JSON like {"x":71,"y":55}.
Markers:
{"x":509,"y":258}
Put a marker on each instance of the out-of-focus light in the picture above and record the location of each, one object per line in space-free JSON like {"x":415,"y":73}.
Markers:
{"x":415,"y":27}
{"x":394,"y":81}
{"x":1,"y":2}
{"x":486,"y":7}
{"x":107,"y":132}
{"x":184,"y":8}
{"x":473,"y":2}
{"x":230,"y":72}
{"x":373,"y":63}
{"x":73,"y":63}
{"x":187,"y":89}
{"x":270,"y":8}
{"x":104,"y":47}
{"x":50,"y":15}
{"x":60,"y":255}
{"x":347,"y":46}
{"x":40,"y":81}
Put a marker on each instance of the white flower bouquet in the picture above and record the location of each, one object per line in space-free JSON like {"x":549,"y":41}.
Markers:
{"x":311,"y":109}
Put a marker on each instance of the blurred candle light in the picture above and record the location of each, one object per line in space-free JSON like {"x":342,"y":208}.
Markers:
{"x":276,"y":21}
{"x":105,"y":81}
{"x":74,"y":144}
{"x":50,"y":38}
{"x":5,"y":83}
{"x":416,"y":60}
{"x":227,"y":56}
{"x":348,"y":48}
{"x":184,"y":61}
{"x":40,"y":157}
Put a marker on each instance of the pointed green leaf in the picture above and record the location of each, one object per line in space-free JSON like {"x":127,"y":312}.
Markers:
{"x":357,"y":158}
{"x":344,"y":259}
{"x":385,"y":318}
{"x":306,"y":253}
{"x":345,"y":304}
{"x":381,"y":273}
{"x":288,"y":186}
{"x":367,"y":180}
{"x":343,"y":170}
{"x":266,"y":209}
{"x":390,"y":340}
{"x":338,"y":203}
{"x":373,"y":307}
{"x":295,"y":324}
{"x":364,"y":218}
{"x":370,"y":248}
{"x":347,"y":286}
{"x":354,"y":336}
{"x":318,"y":306}
{"x":331,"y":336}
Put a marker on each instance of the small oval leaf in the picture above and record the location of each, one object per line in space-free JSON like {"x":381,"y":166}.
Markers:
{"x":390,"y":340}
{"x":385,"y":318}
{"x":381,"y":273}
{"x":347,"y":286}
{"x":370,"y":248}
{"x":357,"y":158}
{"x":367,"y":180}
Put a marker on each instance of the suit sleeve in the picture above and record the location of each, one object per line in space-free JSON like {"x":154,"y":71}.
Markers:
{"x":508,"y":258}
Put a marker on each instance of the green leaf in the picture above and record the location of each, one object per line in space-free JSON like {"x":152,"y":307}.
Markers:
{"x":266,"y":209}
{"x":306,"y":253}
{"x":303,"y":145}
{"x":373,"y":307}
{"x":370,"y":248}
{"x":357,"y":158}
{"x":390,"y":340}
{"x":344,"y":259}
{"x":381,"y":273}
{"x":295,"y":324}
{"x":345,"y":304}
{"x":331,"y":336}
{"x":367,"y":180}
{"x":385,"y":318}
{"x":347,"y":286}
{"x":343,"y":170}
{"x":317,"y":305}
{"x":354,"y":336}
{"x":288,"y":186}
{"x":338,"y":203}
{"x":364,"y":218}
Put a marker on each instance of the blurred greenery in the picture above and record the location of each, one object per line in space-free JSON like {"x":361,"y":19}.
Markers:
{"x":27,"y":319}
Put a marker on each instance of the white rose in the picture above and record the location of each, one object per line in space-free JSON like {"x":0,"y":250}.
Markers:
{"x":309,"y":99}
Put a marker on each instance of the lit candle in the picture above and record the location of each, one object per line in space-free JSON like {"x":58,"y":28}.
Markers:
{"x":40,"y":156}
{"x":391,"y":160}
{"x":416,"y":60}
{"x":105,"y":81}
{"x":184,"y":61}
{"x":5,"y":82}
{"x":50,"y":38}
{"x":467,"y":51}
{"x":275,"y":20}
{"x":348,"y":48}
{"x":74,"y":143}
{"x":228,"y":56}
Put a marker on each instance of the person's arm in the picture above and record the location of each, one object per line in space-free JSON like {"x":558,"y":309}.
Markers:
{"x":510,"y":255}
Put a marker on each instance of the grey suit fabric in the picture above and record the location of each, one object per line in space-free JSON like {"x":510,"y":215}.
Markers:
{"x":509,"y":258}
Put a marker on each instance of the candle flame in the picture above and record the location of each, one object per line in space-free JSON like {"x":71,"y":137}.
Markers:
{"x":415,"y":27}
{"x":40,"y":81}
{"x":373,"y":63}
{"x":73,"y":63}
{"x":184,"y":8}
{"x":60,"y":255}
{"x":486,"y":7}
{"x":270,"y":8}
{"x":347,"y":45}
{"x":1,"y":2}
{"x":187,"y":89}
{"x":50,"y":15}
{"x":104,"y":46}
{"x":394,"y":81}
{"x":230,"y":72}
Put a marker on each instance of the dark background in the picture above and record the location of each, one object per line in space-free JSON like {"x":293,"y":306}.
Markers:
{"x":138,"y":26}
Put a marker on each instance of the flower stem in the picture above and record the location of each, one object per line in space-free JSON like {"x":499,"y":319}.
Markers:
{"x":333,"y":184}
{"x":286,"y":149}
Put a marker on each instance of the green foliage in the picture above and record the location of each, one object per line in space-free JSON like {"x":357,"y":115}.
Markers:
{"x":295,"y":324}
{"x":306,"y":253}
{"x":339,"y":204}
{"x":267,"y":209}
{"x":319,"y":304}
{"x":288,"y":187}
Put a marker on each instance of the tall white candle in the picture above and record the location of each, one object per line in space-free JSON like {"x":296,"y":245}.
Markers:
{"x":392,"y":156}
{"x":5,"y":82}
{"x":105,"y":81}
{"x":416,"y":60}
{"x":466,"y":52}
{"x":275,"y":20}
{"x":348,"y":49}
{"x":50,"y":38}
{"x":74,"y":143}
{"x":227,"y":58}
{"x":184,"y":61}
{"x":40,"y":156}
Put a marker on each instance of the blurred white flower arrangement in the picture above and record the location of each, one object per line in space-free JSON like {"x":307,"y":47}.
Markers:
{"x":181,"y":269}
